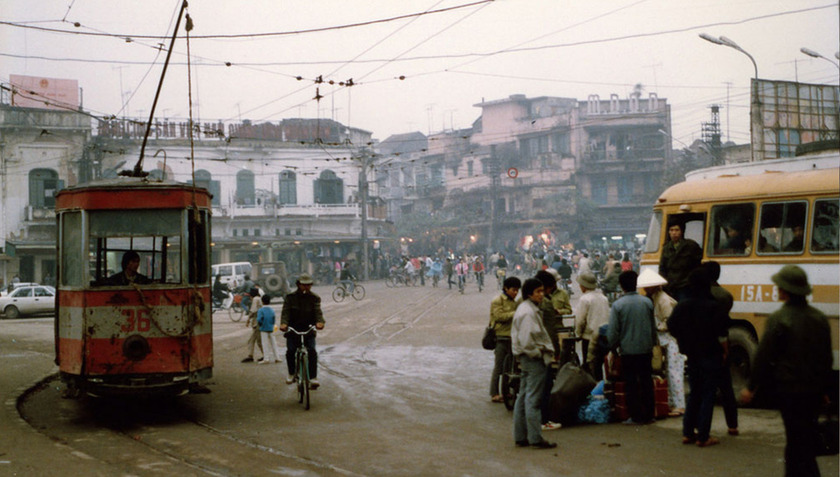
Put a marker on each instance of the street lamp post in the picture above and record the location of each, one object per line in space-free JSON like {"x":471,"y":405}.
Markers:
{"x":755,"y":117}
{"x":814,"y":54}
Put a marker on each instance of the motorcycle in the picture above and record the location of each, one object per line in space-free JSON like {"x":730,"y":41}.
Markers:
{"x":230,"y":303}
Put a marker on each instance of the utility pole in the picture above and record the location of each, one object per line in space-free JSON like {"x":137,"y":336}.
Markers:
{"x":494,"y":190}
{"x":363,"y":199}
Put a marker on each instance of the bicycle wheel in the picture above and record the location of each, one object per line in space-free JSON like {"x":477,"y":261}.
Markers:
{"x":389,"y":282}
{"x":299,"y":375}
{"x":359,"y":292}
{"x":236,"y":312}
{"x":509,"y":382}
{"x":305,"y":381}
{"x":338,"y":294}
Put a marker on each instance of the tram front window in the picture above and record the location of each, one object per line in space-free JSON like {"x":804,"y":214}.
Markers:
{"x":153,"y":237}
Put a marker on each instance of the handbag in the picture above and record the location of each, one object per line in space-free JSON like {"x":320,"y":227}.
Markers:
{"x":488,"y":341}
{"x":656,"y":361}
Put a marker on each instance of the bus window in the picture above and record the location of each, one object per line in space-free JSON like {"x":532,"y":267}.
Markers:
{"x":781,"y":228}
{"x":654,"y":232}
{"x":826,"y":224}
{"x":730,"y":229}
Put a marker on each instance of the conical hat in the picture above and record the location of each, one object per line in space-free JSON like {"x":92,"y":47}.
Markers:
{"x":649,"y":278}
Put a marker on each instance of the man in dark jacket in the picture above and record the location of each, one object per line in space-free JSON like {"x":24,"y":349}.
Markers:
{"x":679,"y":257}
{"x":793,"y":364}
{"x":302,"y":309}
{"x":700,"y":326}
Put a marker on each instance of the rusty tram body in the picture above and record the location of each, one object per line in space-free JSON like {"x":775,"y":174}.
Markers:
{"x":146,"y":336}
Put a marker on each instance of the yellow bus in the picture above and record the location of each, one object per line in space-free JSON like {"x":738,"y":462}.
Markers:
{"x":753,"y":220}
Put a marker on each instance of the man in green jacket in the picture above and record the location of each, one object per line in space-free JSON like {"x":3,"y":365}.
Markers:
{"x":679,"y":257}
{"x":502,"y":309}
{"x":793,"y":365}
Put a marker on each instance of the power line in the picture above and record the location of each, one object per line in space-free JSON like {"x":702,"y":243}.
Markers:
{"x":246,"y":35}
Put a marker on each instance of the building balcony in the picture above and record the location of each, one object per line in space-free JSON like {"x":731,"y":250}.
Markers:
{"x":39,"y":214}
{"x":286,"y":210}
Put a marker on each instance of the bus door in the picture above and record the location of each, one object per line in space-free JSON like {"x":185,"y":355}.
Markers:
{"x":695,"y":225}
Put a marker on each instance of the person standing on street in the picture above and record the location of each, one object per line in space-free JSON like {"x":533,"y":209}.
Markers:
{"x":533,"y":349}
{"x":699,"y":325}
{"x":302,"y":309}
{"x":663,"y":305}
{"x":265,"y":321}
{"x":552,"y":318}
{"x":502,"y":309}
{"x":593,"y":311}
{"x":727,"y":394}
{"x":254,"y":339}
{"x":793,"y":363}
{"x":633,"y":331}
{"x":679,"y":257}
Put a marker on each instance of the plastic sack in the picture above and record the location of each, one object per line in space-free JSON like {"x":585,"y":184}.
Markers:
{"x":596,"y":410}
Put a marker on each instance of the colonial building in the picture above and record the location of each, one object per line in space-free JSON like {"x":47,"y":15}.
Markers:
{"x":286,"y":191}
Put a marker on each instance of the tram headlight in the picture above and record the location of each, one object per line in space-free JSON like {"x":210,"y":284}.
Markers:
{"x":136,"y":348}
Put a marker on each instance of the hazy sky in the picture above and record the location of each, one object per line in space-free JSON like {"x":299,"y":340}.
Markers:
{"x":450,"y":60}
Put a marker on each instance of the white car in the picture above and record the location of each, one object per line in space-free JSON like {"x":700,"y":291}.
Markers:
{"x":28,"y":300}
{"x":8,"y":289}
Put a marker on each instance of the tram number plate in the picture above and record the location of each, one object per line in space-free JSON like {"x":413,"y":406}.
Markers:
{"x":759,"y":293}
{"x":136,"y":320}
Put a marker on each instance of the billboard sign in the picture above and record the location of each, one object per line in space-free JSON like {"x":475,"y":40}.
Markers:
{"x":44,"y":93}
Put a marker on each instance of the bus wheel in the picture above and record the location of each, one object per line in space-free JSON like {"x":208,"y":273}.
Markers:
{"x":742,"y":348}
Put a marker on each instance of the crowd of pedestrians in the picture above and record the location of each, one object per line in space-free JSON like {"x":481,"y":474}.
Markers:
{"x":683,"y":312}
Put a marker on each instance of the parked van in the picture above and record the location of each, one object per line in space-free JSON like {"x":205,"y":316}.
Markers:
{"x":233,"y":274}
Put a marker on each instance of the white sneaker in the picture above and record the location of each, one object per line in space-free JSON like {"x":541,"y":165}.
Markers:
{"x":314,"y":384}
{"x":551,"y":426}
{"x":290,"y":380}
{"x":264,"y":361}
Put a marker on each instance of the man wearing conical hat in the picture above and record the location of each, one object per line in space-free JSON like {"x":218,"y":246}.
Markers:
{"x":793,"y":364}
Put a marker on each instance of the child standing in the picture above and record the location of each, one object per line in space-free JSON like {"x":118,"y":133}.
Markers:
{"x":265,"y":320}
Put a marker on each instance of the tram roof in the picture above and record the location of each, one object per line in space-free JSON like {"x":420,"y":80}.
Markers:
{"x":131,"y":193}
{"x":759,"y":186}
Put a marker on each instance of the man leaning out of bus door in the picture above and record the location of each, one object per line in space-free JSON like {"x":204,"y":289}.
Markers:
{"x":679,"y":257}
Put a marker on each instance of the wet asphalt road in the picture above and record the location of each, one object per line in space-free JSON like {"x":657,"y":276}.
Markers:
{"x":404,"y":392}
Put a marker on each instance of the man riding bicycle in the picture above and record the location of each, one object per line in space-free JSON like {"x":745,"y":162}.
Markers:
{"x":302,"y":309}
{"x":461,"y":270}
{"x":478,"y":269}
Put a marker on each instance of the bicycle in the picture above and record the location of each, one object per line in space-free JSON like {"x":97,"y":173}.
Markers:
{"x":341,"y":292}
{"x":500,"y":277}
{"x":479,"y":280}
{"x":302,"y":367}
{"x":509,"y":381}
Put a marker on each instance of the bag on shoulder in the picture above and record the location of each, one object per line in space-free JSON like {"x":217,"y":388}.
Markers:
{"x":657,"y":359}
{"x":488,"y":341}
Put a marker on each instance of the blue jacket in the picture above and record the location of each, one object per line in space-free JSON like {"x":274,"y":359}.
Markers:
{"x":265,"y":319}
{"x":632,"y":326}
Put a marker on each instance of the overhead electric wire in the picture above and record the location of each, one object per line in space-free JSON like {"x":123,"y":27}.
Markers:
{"x":254,"y":35}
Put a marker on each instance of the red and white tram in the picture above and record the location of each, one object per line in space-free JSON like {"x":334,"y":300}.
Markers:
{"x":126,"y":328}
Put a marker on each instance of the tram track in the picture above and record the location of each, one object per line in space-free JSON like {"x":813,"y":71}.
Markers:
{"x":198,"y":436}
{"x":157,"y":437}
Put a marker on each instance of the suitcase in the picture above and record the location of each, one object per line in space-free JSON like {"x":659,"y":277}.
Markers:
{"x":661,"y":409}
{"x":660,"y":399}
{"x":619,"y":393}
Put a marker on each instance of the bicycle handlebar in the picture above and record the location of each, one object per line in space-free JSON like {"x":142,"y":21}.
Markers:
{"x":311,"y":327}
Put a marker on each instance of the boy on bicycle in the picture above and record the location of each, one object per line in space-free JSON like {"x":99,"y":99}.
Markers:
{"x":302,"y":309}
